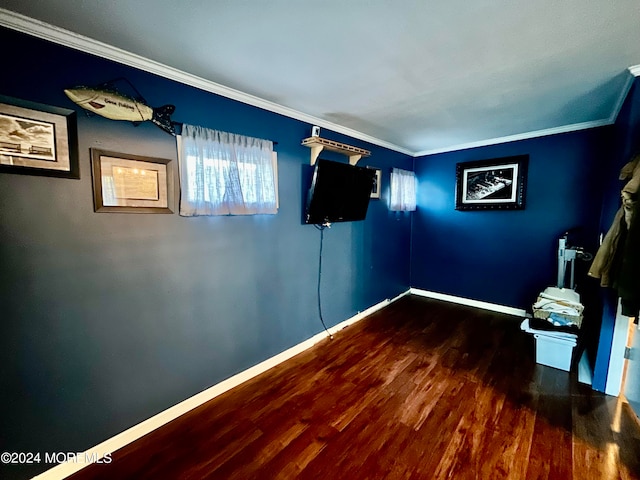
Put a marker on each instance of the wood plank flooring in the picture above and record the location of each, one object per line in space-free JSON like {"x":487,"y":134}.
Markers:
{"x":422,"y":389}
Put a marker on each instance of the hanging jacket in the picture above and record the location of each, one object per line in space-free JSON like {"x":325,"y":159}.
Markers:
{"x":618,"y":258}
{"x":603,"y":262}
{"x":628,"y":279}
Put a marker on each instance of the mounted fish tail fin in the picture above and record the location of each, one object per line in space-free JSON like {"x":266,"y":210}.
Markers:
{"x":162,"y":118}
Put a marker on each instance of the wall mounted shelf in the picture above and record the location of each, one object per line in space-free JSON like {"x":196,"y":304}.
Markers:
{"x":317,"y":144}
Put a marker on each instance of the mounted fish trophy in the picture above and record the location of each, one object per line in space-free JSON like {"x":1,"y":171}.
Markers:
{"x":106,"y":101}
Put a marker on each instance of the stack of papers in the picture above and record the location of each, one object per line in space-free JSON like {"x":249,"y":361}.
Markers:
{"x":549,"y":333}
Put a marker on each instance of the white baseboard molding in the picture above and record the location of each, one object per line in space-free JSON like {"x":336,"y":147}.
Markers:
{"x":616,"y":357}
{"x":518,"y":312}
{"x":585,"y":375}
{"x":104,"y":449}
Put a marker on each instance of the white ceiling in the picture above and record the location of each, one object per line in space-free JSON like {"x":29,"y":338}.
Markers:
{"x":417,"y":76}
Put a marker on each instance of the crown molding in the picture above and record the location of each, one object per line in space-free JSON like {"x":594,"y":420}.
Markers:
{"x":623,"y":94}
{"x":520,"y":136}
{"x":45,"y":31}
{"x":633,"y":70}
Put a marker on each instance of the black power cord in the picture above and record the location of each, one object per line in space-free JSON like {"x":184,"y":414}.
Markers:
{"x":321,"y":228}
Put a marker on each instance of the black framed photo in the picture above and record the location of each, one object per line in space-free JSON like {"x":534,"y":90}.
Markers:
{"x":496,"y":184}
{"x":38,"y":139}
{"x":377,"y":183}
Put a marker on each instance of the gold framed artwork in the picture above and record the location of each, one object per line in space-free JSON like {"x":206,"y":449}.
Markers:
{"x":125,"y":183}
{"x":37,"y":139}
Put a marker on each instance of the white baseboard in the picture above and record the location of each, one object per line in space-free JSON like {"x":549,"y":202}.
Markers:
{"x":469,"y":302}
{"x":109,"y":446}
{"x":585,"y":375}
{"x":616,"y":357}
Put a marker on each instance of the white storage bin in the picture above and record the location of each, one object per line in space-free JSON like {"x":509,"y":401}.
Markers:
{"x":554,"y":351}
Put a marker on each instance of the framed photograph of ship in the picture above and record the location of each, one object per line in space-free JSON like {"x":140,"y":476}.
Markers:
{"x":497,"y":184}
{"x":125,"y":183}
{"x":37,"y":139}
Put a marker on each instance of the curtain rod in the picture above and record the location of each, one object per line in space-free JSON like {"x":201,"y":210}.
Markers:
{"x":179,"y":124}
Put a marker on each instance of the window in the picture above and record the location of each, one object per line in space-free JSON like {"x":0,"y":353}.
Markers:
{"x":226,"y":174}
{"x":403,"y":190}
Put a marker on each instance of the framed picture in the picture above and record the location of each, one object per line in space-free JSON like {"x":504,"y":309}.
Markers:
{"x":37,"y":139}
{"x":377,"y":184}
{"x":497,"y":184}
{"x":131,"y":183}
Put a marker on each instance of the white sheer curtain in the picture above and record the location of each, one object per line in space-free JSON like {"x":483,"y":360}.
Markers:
{"x":403,"y":190}
{"x":225,"y":174}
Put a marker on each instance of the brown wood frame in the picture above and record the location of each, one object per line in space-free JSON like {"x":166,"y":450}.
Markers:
{"x":165,"y":188}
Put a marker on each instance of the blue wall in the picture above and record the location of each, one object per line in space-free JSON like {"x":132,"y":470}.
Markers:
{"x":108,"y":319}
{"x":508,"y":257}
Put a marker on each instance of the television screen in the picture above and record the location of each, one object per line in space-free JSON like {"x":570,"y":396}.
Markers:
{"x":339,"y":193}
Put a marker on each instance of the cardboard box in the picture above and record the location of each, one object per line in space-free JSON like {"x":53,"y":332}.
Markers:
{"x":559,"y":297}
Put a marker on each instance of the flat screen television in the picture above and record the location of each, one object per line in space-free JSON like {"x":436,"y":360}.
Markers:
{"x":339,"y":192}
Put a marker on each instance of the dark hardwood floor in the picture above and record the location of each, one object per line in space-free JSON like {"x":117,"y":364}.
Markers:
{"x":419,"y":390}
